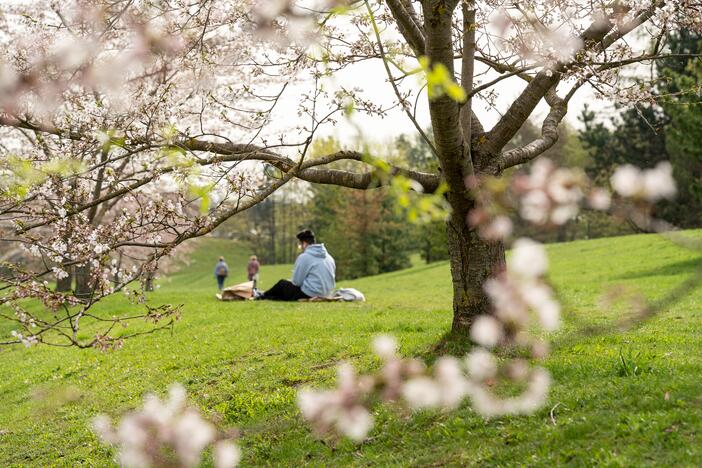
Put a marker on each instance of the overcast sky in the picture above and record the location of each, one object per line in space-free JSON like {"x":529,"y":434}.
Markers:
{"x":371,"y":77}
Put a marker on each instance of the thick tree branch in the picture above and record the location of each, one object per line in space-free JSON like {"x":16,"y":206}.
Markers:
{"x":230,"y":152}
{"x":600,"y":35}
{"x":401,"y":100}
{"x":356,"y":180}
{"x":408,"y":24}
{"x":549,"y":135}
{"x":467,"y":75}
{"x":443,"y":110}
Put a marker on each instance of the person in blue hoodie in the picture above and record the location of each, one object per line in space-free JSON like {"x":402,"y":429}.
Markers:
{"x":313,"y":274}
{"x":221,"y":272}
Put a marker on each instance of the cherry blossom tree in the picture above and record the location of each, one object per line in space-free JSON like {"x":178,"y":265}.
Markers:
{"x":182,"y":98}
{"x":129,"y":127}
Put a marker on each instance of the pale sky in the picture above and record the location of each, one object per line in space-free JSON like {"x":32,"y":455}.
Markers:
{"x":372,"y":79}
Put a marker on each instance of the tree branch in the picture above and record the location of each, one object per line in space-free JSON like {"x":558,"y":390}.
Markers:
{"x":601,"y":34}
{"x":549,"y":135}
{"x":401,"y":100}
{"x":408,"y":24}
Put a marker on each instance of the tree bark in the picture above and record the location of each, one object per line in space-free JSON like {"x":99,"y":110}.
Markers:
{"x":84,"y":287}
{"x":64,"y":284}
{"x":473,"y":261}
{"x":149,"y":284}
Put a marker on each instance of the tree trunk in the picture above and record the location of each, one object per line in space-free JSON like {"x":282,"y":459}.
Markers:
{"x":64,"y":284}
{"x":149,"y":284}
{"x":84,"y":287}
{"x":473,"y":261}
{"x":272,"y":226}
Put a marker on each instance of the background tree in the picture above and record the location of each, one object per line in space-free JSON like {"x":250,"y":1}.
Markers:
{"x":682,"y":88}
{"x":652,"y":132}
{"x":366,"y":231}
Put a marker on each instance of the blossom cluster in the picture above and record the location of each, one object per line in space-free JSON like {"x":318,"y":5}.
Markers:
{"x":345,"y":409}
{"x":166,"y":433}
{"x":27,"y":341}
{"x":649,"y":185}
{"x":521,"y":299}
{"x":550,"y":196}
{"x":545,"y":196}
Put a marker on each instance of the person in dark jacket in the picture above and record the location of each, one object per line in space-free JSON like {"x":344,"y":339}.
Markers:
{"x":252,"y":269}
{"x":313,"y":274}
{"x":221,"y":272}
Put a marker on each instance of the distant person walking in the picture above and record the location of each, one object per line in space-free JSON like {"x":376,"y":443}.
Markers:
{"x":252,"y":269}
{"x":313,"y":275}
{"x":221,"y":272}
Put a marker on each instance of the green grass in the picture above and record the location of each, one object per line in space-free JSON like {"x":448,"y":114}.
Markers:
{"x":242,"y":363}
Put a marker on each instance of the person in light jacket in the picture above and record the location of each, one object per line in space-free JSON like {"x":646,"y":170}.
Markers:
{"x":313,"y":274}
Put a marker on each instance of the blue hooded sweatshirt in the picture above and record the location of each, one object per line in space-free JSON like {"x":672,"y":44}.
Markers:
{"x":221,"y":264}
{"x":314,"y":271}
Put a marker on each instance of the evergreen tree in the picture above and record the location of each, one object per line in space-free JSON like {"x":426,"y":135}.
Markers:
{"x":684,"y":132}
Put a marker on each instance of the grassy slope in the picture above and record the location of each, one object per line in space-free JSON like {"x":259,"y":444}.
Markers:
{"x":242,"y":363}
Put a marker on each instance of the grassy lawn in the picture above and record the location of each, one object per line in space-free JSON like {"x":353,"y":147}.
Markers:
{"x":243,"y":362}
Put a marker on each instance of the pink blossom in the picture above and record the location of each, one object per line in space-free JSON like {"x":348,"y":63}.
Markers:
{"x":486,"y":331}
{"x":385,"y":347}
{"x":481,"y":364}
{"x":226,"y":454}
{"x":421,"y":393}
{"x":528,"y":258}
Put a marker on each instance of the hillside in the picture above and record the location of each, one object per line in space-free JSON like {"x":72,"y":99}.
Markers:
{"x":243,"y":362}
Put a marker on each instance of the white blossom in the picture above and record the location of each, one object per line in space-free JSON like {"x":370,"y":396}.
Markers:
{"x":487,"y":404}
{"x":481,"y":364}
{"x":226,"y":454}
{"x":486,"y":331}
{"x":528,"y":258}
{"x":191,"y":435}
{"x":651,"y":184}
{"x":539,"y":297}
{"x":659,"y":183}
{"x":169,"y":426}
{"x":600,"y":199}
{"x":421,"y":393}
{"x":535,"y":206}
{"x":451,"y":380}
{"x":385,"y":346}
{"x":60,"y":273}
{"x":628,"y":181}
{"x":355,"y":423}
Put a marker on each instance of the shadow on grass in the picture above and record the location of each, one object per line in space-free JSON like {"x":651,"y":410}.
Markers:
{"x":450,"y":344}
{"x":411,"y":271}
{"x":673,"y":269}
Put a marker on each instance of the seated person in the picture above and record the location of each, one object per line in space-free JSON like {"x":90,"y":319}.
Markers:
{"x":313,"y":275}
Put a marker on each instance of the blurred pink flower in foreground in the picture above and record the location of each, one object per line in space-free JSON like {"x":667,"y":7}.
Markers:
{"x":166,"y":433}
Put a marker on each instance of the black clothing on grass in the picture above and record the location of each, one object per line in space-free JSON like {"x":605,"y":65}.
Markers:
{"x":284,"y":290}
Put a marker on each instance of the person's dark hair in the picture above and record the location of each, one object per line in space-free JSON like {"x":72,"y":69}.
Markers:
{"x":306,"y":236}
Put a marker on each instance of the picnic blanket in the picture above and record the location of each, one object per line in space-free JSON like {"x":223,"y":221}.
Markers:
{"x":340,"y":295}
{"x":238,"y":292}
{"x":244,"y":291}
